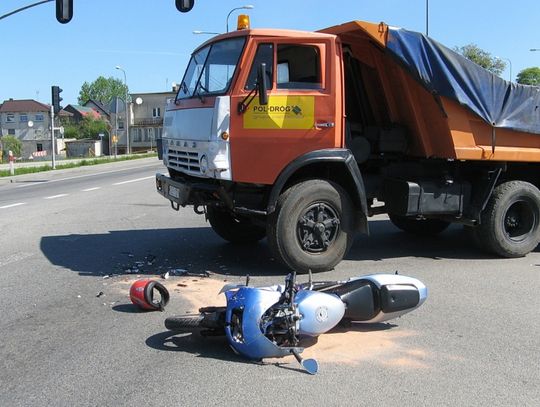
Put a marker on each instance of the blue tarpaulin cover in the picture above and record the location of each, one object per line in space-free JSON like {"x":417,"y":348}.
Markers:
{"x":446,"y":73}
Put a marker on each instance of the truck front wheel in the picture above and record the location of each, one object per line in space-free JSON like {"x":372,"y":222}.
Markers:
{"x":510,"y":223}
{"x":234,"y":229}
{"x":312,"y":227}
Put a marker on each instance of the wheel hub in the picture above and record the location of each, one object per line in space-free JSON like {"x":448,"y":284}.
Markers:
{"x":318,"y":227}
{"x":519,"y":220}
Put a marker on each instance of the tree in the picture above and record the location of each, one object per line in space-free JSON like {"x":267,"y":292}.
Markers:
{"x":11,"y":143}
{"x":529,"y":76}
{"x":102,"y":90}
{"x":483,"y":58}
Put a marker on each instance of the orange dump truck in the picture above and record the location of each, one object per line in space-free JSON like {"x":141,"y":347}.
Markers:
{"x":299,"y":137}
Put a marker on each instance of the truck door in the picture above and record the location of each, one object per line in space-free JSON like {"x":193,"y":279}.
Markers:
{"x":301,"y":115}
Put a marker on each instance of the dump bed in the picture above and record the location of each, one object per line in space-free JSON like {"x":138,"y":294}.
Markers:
{"x":451,"y":107}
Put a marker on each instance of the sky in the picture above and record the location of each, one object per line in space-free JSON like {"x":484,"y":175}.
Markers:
{"x":152,"y":41}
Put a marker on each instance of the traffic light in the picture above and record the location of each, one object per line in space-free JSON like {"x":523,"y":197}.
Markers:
{"x":184,"y":5}
{"x":64,"y":11}
{"x":56,"y":99}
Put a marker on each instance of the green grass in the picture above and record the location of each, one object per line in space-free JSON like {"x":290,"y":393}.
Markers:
{"x":84,"y":162}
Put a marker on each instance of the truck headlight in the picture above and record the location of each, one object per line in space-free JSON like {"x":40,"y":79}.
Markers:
{"x":203,"y":162}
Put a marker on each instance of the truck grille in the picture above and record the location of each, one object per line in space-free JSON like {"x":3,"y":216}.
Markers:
{"x":185,"y":160}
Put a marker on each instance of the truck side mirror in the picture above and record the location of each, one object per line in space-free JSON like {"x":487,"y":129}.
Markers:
{"x":262,"y":84}
{"x":184,"y":5}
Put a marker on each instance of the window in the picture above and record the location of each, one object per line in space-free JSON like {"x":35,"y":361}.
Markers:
{"x":38,"y":117}
{"x":39,"y":147}
{"x":11,"y":132}
{"x":120,"y":124}
{"x":299,"y":67}
{"x":156,"y":112}
{"x":10,"y":118}
{"x":265,"y":54}
{"x":136,"y":134}
{"x":23,"y":118}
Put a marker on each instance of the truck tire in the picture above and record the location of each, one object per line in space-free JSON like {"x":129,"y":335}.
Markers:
{"x":510,"y":223}
{"x":233,"y":229}
{"x":421,"y":227}
{"x":312,"y":227}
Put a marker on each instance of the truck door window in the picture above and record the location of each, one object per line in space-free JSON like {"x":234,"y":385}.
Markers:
{"x":265,"y":54}
{"x":298,"y":67}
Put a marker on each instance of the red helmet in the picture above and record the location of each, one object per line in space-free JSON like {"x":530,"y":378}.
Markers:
{"x":142,"y":294}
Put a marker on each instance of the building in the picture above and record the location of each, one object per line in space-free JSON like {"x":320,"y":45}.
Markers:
{"x":79,"y":112}
{"x":98,"y":107}
{"x":30,"y":122}
{"x":147,"y":111}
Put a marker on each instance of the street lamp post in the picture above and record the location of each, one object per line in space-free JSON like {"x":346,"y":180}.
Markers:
{"x":246,"y":7}
{"x":126,"y":104}
{"x":198,"y":32}
{"x":509,"y":63}
{"x":116,"y":127}
{"x":427,"y":18}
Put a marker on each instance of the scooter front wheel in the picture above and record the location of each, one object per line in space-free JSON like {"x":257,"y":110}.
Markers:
{"x":184,"y":323}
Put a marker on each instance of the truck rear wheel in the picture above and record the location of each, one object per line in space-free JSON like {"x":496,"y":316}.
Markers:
{"x":422,"y":227}
{"x":510,"y":223}
{"x":234,"y":229}
{"x":312,"y":227}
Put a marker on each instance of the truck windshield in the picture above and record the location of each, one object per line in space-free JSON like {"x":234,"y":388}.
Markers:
{"x":211,"y":68}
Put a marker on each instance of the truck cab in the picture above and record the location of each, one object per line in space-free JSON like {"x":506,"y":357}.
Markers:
{"x":232,"y":157}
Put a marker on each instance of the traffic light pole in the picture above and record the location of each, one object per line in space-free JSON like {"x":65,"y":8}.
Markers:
{"x":24,"y":8}
{"x":53,"y":142}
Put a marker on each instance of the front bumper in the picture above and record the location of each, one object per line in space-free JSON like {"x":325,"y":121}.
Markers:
{"x":183,"y":192}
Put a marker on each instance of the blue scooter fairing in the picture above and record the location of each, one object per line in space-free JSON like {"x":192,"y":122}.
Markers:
{"x":247,"y":306}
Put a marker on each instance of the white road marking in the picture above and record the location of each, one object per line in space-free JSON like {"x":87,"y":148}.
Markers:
{"x":134,"y":180}
{"x":13,"y":205}
{"x":82,"y":176}
{"x":90,"y":189}
{"x":55,"y":196}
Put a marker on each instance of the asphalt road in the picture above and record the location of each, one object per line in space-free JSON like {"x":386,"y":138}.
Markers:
{"x":69,"y":235}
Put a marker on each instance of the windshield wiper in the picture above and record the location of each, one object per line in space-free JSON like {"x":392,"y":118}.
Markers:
{"x":184,"y":87}
{"x":198,"y":93}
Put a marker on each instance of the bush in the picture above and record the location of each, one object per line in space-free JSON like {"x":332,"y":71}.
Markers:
{"x":71,"y":131}
{"x":91,"y":127}
{"x":11,"y":143}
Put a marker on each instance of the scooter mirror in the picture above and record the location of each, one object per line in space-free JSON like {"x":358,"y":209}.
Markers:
{"x":310,"y":365}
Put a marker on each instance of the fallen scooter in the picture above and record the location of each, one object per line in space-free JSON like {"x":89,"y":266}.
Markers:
{"x":270,"y":322}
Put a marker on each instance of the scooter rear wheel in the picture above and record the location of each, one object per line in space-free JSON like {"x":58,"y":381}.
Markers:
{"x":184,"y":323}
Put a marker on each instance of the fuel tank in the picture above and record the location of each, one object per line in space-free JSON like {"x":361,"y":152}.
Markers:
{"x":319,"y":312}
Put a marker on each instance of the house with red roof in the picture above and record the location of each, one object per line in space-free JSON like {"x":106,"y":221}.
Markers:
{"x":79,"y":112}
